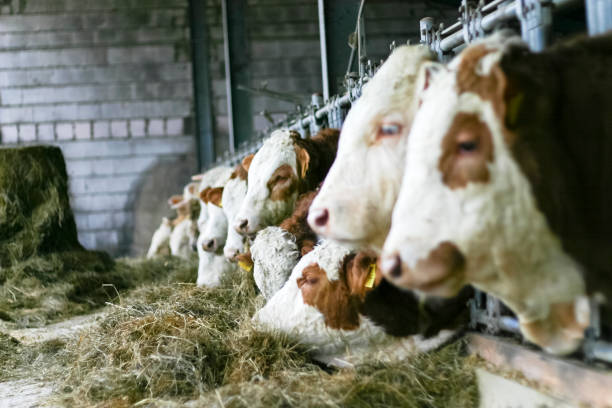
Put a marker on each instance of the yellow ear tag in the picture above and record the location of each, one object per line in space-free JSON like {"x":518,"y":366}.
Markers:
{"x":513,"y":108}
{"x":369,"y":283}
{"x":221,"y":204}
{"x":245,"y":266}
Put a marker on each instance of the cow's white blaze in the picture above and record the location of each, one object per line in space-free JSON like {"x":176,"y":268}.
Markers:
{"x":508,"y":246}
{"x":257,"y":208}
{"x":362,"y":185}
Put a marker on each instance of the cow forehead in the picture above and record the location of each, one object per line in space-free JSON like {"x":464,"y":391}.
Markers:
{"x":233,"y":194}
{"x":276,"y":151}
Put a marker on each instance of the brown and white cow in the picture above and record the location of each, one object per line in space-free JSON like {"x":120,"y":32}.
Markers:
{"x":284,"y":167}
{"x":506,"y":184}
{"x":357,"y":197}
{"x":337,"y":303}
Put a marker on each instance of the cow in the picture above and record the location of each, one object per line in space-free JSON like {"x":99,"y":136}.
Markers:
{"x":284,"y":167}
{"x":357,"y":197}
{"x":183,"y":226}
{"x":160,"y":242}
{"x":334,"y":301}
{"x":212,"y":266}
{"x":506,"y":184}
{"x":276,"y":250}
{"x":222,"y":209}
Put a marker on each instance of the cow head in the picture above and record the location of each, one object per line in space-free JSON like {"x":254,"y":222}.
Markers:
{"x":466,"y":212}
{"x":274,"y":178}
{"x":214,"y":231}
{"x":356,"y":200}
{"x":319,"y":304}
{"x":233,"y":196}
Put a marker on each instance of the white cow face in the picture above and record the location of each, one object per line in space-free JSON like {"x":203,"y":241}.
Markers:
{"x":357,"y":197}
{"x":214,"y":230}
{"x":466,"y":212}
{"x":233,"y":196}
{"x":273,"y":184}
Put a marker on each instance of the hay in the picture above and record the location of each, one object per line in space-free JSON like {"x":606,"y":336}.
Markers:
{"x":44,"y":289}
{"x":35,"y":214}
{"x":45,"y":273}
{"x":166,"y":344}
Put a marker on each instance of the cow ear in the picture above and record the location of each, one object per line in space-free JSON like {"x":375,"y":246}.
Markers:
{"x":174,"y":200}
{"x":203,"y":194}
{"x":214,"y":196}
{"x":427,"y":73}
{"x":362,"y":273}
{"x":303,"y":160}
{"x":246,"y":162}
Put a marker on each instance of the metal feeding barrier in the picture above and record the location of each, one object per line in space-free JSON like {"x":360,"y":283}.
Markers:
{"x":476,"y":20}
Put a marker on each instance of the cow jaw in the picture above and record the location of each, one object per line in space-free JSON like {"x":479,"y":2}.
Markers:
{"x":261,"y":206}
{"x":486,"y":210}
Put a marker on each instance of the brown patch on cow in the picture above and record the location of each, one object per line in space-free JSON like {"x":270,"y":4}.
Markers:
{"x":214,"y":196}
{"x":331,"y":298}
{"x":315,"y":156}
{"x":467,"y":147}
{"x":561,"y":323}
{"x":203,"y":193}
{"x":490,"y":87}
{"x":240,"y":172}
{"x":245,"y":261}
{"x":282,"y":183}
{"x":174,"y":200}
{"x":180,"y":218}
{"x":357,"y":270}
{"x":297,"y":223}
{"x":246,"y":162}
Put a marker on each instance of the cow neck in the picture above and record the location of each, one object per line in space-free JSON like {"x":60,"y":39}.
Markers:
{"x":322,"y":151}
{"x":565,"y":149}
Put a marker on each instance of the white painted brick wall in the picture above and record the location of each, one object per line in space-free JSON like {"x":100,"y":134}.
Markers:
{"x":107,"y":81}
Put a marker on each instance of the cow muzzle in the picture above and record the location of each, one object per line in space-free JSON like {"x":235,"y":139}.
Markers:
{"x":440,"y":274}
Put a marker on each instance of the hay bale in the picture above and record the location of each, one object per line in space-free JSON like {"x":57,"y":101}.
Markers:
{"x":35,"y":213}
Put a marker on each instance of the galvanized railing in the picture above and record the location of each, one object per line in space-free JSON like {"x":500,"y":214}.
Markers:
{"x":476,"y":20}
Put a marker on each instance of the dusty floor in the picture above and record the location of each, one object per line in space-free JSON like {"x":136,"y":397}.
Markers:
{"x":34,"y":390}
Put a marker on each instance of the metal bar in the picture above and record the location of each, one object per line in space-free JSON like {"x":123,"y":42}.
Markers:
{"x":323,"y":42}
{"x":599,"y":16}
{"x":202,"y":89}
{"x":228,"y":78}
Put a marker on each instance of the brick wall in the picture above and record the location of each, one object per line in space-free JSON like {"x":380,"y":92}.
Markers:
{"x":284,"y":49}
{"x":109,"y":81}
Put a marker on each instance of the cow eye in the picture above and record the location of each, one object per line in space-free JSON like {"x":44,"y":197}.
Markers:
{"x":312,"y":280}
{"x":389,"y":129}
{"x":468,"y":146}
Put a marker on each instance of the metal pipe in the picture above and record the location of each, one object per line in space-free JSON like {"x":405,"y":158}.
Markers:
{"x":323,"y":42}
{"x":602,"y":351}
{"x":228,"y":77}
{"x":509,"y":324}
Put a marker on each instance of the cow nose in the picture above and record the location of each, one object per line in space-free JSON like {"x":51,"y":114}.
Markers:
{"x":391,"y":265}
{"x":242,"y":226}
{"x":320,"y":217}
{"x":209,"y":245}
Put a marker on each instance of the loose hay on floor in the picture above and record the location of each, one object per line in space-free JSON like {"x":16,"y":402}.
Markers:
{"x":168,"y":344}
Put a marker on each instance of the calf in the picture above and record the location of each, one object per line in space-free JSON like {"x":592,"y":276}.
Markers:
{"x":183,"y":226}
{"x":160,"y":242}
{"x":506,"y":184}
{"x":357,"y":197}
{"x":284,"y":167}
{"x":328,"y":304}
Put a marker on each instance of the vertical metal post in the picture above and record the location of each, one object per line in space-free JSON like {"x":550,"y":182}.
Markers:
{"x":201,"y":82}
{"x":323,"y":41}
{"x":599,"y":16}
{"x":536,"y":21}
{"x":235,"y":50}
